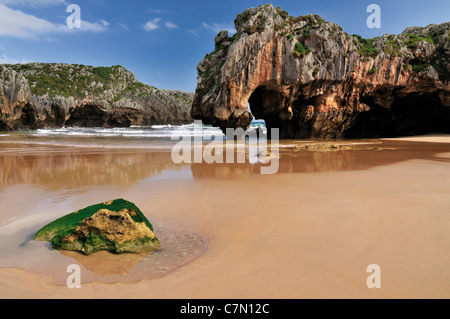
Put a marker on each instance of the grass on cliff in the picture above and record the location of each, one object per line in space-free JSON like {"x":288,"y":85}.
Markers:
{"x":301,"y":50}
{"x":135,"y":89}
{"x":366,"y":46}
{"x":412,"y":40}
{"x":392,"y":46}
{"x":102,"y":73}
{"x":67,"y":81}
{"x":440,"y":64}
{"x":442,"y":70}
{"x":283,"y":14}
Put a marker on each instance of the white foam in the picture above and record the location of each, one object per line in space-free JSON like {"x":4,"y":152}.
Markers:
{"x":161,"y":126}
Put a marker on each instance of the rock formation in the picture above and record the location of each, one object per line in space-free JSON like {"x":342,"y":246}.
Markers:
{"x":117,"y":226}
{"x":39,"y":95}
{"x":106,"y":230}
{"x":309,"y":78}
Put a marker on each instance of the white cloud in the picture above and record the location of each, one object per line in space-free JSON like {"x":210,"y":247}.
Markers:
{"x":194,"y":32}
{"x":105,"y":23}
{"x":123,"y":26}
{"x":15,"y":23}
{"x":217,"y":27}
{"x":152,"y":24}
{"x":18,"y":24}
{"x":5,"y":60}
{"x":87,"y":26}
{"x":170,"y":25}
{"x":33,"y":3}
{"x":157,"y":11}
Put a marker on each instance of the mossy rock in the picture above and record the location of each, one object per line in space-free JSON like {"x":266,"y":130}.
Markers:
{"x":117,"y":226}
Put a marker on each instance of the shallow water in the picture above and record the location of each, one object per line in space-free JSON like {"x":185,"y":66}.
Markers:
{"x":49,"y":173}
{"x":18,"y":250}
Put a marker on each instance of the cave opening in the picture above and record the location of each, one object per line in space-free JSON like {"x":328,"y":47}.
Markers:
{"x":3,"y":126}
{"x":27,"y":119}
{"x":265,"y":104}
{"x":411,"y":114}
{"x":57,"y":116}
{"x":86,"y":116}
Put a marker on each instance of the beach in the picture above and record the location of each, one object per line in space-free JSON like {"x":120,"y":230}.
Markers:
{"x":309,"y":231}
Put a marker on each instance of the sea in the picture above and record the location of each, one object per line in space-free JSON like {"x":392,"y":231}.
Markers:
{"x":147,"y":137}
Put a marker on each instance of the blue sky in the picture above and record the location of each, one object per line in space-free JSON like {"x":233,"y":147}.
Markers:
{"x":163,"y":41}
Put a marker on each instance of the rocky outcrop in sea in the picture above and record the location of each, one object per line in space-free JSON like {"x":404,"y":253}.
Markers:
{"x":309,"y":78}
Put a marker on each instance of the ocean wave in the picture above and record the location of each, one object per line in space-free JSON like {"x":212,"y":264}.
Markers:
{"x":140,"y":137}
{"x":154,"y":131}
{"x":161,"y":126}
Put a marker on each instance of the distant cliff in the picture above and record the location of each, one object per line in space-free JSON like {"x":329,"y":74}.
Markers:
{"x":38,"y":95}
{"x":309,"y":78}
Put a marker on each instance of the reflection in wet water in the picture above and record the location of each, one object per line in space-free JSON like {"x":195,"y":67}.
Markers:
{"x":68,"y":168}
{"x":355,"y":157}
{"x":106,"y":264}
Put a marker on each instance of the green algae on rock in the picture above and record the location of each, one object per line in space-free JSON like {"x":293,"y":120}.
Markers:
{"x":117,"y":226}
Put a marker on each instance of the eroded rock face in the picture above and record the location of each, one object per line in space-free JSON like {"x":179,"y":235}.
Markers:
{"x":112,"y":231}
{"x":14,"y":98}
{"x":116,"y":226}
{"x":39,"y":95}
{"x":309,"y":78}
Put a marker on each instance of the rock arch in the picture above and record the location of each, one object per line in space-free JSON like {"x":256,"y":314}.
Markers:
{"x":266,"y":102}
{"x":310,"y":79}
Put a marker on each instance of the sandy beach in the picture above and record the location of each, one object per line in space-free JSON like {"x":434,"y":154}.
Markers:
{"x":309,"y":231}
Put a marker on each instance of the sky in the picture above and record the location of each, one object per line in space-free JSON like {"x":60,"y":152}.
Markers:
{"x":162,"y":42}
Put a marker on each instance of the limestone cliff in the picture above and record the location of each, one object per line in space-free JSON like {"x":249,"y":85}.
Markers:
{"x":309,"y":78}
{"x":53,"y":95}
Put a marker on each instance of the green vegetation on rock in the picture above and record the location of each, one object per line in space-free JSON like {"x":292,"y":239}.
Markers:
{"x":120,"y":99}
{"x":301,"y":50}
{"x":283,"y":14}
{"x":71,"y":80}
{"x":109,"y":84}
{"x":65,"y":233}
{"x":441,"y":64}
{"x":372,"y":70}
{"x":366,"y":46}
{"x":420,"y":67}
{"x":315,"y":71}
{"x":413,"y":40}
{"x":392,"y":46}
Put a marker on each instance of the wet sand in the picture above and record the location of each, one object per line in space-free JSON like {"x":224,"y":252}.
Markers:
{"x":309,"y":231}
